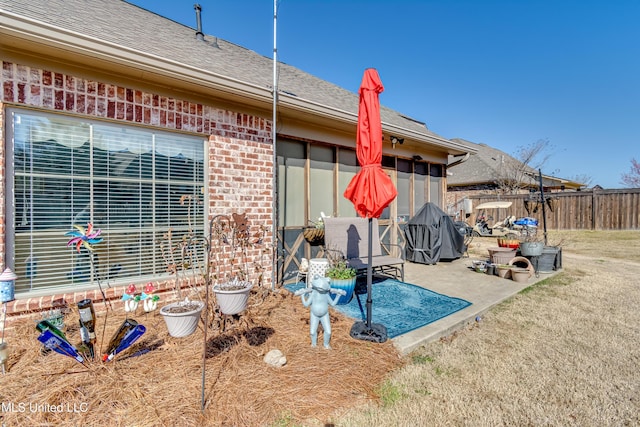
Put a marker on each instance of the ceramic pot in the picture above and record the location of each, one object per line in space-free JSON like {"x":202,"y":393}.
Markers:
{"x":232,"y":300}
{"x":523,"y":262}
{"x":182,"y":317}
{"x":4,"y":355}
{"x":520,"y":275}
{"x":504,"y":271}
{"x":346,"y":285}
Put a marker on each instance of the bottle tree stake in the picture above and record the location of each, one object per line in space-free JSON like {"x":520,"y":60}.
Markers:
{"x":81,"y":237}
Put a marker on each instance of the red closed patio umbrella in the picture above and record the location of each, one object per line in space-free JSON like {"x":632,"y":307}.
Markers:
{"x":371,"y":190}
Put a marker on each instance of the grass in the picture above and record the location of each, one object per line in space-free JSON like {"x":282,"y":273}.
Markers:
{"x":562,"y":352}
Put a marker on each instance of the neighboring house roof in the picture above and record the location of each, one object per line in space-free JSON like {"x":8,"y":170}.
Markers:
{"x":156,"y":48}
{"x":488,"y":164}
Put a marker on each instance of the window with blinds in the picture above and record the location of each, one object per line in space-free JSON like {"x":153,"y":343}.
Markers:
{"x":133,"y":184}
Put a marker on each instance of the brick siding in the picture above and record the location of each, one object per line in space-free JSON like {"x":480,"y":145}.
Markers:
{"x":240,"y":149}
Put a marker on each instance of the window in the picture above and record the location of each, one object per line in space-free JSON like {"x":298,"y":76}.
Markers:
{"x":133,"y":184}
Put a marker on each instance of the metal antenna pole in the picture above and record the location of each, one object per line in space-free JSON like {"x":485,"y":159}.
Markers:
{"x":274,"y":183}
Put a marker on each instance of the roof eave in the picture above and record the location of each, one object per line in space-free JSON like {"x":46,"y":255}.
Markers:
{"x":29,"y":33}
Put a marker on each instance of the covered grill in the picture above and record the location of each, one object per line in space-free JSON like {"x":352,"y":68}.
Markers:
{"x":432,"y":236}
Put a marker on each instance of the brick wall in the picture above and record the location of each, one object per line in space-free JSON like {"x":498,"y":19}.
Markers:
{"x":2,"y":183}
{"x":240,"y":149}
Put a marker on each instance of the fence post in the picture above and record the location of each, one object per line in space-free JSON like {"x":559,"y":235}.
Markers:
{"x":594,"y":210}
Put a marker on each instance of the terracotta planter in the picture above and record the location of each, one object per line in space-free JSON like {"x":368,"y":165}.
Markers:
{"x":347,"y":285}
{"x":522,"y":262}
{"x":520,"y":275}
{"x":232,"y":300}
{"x":182,"y":317}
{"x":504,"y":271}
{"x":499,"y":255}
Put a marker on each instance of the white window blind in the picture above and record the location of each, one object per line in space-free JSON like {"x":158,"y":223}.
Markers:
{"x":133,"y":184}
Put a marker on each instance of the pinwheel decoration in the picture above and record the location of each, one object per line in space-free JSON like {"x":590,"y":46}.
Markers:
{"x":84,"y":237}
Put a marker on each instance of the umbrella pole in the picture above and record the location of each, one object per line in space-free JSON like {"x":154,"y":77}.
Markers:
{"x":369,"y":274}
{"x":368,"y":331}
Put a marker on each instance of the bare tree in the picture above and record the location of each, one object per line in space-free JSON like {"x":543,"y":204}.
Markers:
{"x":631,"y":179}
{"x":519,"y":171}
{"x":583,"y":179}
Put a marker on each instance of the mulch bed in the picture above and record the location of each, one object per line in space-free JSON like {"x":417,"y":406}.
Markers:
{"x":158,"y":380}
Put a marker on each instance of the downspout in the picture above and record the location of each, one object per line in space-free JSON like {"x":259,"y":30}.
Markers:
{"x":460,"y":160}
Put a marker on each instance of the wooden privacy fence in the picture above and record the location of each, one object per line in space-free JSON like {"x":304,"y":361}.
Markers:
{"x":575,"y":210}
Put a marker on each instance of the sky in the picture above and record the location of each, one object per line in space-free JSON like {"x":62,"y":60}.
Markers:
{"x":503,"y":73}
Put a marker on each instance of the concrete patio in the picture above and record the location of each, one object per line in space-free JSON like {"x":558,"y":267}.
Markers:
{"x":457,"y":279}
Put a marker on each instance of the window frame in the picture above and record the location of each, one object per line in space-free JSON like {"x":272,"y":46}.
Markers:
{"x":156,"y":224}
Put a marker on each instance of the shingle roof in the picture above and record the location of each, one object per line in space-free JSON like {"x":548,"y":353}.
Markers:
{"x":483,"y":167}
{"x":131,"y":27}
{"x":487,"y":165}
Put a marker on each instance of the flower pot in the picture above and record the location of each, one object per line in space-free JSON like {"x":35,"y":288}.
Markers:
{"x":479,"y":266}
{"x":182,"y":317}
{"x":504,"y":270}
{"x":520,"y":275}
{"x":314,"y":236}
{"x":531,"y":248}
{"x":232,"y":297}
{"x":347,"y":285}
{"x":522,"y":262}
{"x":317,"y":267}
{"x":499,"y":255}
{"x":4,"y":355}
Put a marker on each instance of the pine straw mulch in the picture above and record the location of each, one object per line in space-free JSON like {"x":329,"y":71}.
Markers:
{"x":157,"y":381}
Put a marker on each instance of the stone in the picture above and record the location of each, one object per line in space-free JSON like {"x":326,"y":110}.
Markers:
{"x":275,"y":358}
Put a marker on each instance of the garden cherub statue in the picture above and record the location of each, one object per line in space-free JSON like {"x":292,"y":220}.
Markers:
{"x":318,"y":296}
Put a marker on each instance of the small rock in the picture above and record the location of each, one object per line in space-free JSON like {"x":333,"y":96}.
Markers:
{"x":275,"y":358}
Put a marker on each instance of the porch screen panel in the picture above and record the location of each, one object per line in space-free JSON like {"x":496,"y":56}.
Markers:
{"x":70,"y":172}
{"x":420,"y":176}
{"x":404,"y":190}
{"x":347,"y":169}
{"x":291,"y":179}
{"x":321,"y":181}
{"x":435,"y":184}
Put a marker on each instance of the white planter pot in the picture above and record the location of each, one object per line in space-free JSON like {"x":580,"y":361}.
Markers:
{"x":181,"y":324}
{"x":232,"y":301}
